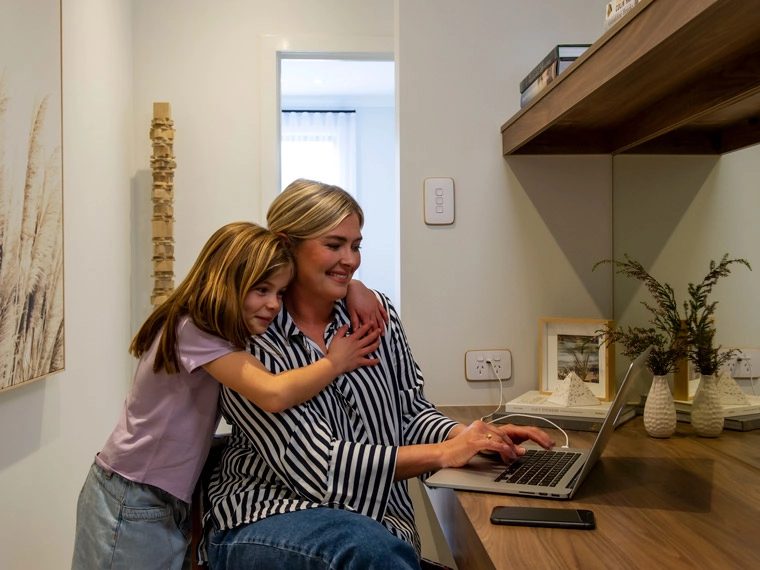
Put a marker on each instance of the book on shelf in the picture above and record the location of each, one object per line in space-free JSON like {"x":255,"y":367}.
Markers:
{"x":536,"y":403}
{"x":575,"y":423}
{"x":615,"y":10}
{"x":560,"y":51}
{"x":543,"y":80}
{"x":746,"y":422}
{"x":729,"y":411}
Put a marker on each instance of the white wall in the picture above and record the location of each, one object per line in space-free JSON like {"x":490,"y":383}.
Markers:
{"x":528,"y":230}
{"x":675,"y":215}
{"x":379,"y":199}
{"x":209,"y":60}
{"x":522,"y":246}
{"x":203,"y":57}
{"x":52,"y":427}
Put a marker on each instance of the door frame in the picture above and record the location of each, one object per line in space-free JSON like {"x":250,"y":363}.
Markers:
{"x":272,"y":49}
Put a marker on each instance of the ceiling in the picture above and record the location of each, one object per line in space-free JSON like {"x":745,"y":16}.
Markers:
{"x":336,"y":77}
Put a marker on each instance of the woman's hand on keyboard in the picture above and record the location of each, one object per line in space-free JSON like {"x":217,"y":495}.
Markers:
{"x":465,"y":442}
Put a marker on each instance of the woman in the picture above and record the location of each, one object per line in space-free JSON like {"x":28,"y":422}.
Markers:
{"x":323,"y":484}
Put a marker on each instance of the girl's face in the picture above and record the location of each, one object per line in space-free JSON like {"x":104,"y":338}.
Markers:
{"x":327,"y":263}
{"x":263,"y":301}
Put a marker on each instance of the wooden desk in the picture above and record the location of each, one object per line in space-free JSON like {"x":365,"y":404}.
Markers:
{"x":682,"y":502}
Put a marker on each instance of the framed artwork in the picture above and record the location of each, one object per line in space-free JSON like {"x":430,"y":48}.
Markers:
{"x":576,"y":345}
{"x":31,"y":192}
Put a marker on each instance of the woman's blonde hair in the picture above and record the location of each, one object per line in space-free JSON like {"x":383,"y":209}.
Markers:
{"x":235,"y":258}
{"x":307,"y":209}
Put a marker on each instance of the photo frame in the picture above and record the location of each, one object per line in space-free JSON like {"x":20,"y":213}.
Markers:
{"x":567,"y":345}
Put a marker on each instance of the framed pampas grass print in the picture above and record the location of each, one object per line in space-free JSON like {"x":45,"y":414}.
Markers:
{"x":31,"y":192}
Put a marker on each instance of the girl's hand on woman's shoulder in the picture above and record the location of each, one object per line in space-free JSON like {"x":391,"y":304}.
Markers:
{"x":364,"y":308}
{"x":349,"y":352}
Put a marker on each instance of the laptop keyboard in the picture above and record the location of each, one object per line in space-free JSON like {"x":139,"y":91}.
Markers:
{"x":539,"y":467}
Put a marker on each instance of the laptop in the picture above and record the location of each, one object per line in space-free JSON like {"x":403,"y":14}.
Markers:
{"x":536,"y":474}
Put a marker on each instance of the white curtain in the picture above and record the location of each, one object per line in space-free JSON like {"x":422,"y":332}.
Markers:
{"x":320,"y":145}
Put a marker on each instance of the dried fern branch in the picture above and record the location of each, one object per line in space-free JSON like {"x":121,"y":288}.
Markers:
{"x":700,"y":319}
{"x":669,"y":343}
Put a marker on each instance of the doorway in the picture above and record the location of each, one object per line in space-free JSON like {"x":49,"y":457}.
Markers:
{"x":337,"y":125}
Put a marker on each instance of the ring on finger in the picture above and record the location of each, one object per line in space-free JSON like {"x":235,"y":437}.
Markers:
{"x":489,"y":436}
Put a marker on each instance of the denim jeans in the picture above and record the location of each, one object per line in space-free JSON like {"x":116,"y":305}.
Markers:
{"x":313,"y":539}
{"x":122,"y":525}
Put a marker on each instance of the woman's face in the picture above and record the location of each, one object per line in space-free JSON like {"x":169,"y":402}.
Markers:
{"x":264,"y":300}
{"x":327,"y":263}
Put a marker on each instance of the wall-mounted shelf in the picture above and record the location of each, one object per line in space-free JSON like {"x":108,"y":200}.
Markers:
{"x":672,"y":77}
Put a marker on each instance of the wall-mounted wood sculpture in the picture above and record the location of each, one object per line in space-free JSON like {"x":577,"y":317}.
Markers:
{"x":162,"y":163}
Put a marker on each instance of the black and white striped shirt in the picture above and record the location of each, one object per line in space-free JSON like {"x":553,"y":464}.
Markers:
{"x":338,"y":449}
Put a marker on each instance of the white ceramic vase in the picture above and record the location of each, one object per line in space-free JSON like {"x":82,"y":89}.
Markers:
{"x":660,"y":409}
{"x":706,"y":409}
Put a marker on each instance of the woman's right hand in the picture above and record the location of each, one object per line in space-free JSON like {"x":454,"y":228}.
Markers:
{"x":349,"y":352}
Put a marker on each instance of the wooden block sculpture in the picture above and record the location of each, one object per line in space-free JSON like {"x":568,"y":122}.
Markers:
{"x":162,"y":163}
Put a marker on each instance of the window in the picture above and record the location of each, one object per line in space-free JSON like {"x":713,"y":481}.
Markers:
{"x":320,"y":145}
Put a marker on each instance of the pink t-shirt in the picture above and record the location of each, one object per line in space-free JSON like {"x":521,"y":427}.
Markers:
{"x":166,"y":425}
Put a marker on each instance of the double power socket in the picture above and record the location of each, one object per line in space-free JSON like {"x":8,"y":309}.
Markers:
{"x":485,"y":365}
{"x":744,"y":364}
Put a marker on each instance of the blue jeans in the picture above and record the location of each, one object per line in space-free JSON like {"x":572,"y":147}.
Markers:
{"x":313,"y":539}
{"x":122,"y":525}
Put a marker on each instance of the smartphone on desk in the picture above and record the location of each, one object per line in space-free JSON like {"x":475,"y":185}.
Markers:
{"x":544,"y":517}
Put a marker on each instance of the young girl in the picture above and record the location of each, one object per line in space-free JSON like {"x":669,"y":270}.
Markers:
{"x":133,"y":511}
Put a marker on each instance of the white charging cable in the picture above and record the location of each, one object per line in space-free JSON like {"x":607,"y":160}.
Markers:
{"x":501,"y":390}
{"x":748,"y":360}
{"x":501,"y":401}
{"x":751,"y":379}
{"x":567,"y":439}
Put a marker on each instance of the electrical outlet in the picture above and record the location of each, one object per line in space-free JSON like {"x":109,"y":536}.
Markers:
{"x":744,"y":364}
{"x":477,"y":366}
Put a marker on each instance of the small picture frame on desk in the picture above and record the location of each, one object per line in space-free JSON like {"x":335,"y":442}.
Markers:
{"x":576,"y":345}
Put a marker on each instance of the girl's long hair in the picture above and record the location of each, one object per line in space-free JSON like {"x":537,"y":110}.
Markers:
{"x":234,"y":259}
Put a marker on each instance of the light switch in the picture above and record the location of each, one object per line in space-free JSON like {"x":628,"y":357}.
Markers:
{"x":439,"y":201}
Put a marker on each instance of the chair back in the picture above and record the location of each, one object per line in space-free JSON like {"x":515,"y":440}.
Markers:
{"x":200,"y":503}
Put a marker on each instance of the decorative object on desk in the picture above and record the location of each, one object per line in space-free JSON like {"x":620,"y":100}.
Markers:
{"x":660,"y":411}
{"x":575,"y":345}
{"x":707,"y":357}
{"x":706,"y":409}
{"x":667,"y":337}
{"x":572,"y":391}
{"x":730,"y":392}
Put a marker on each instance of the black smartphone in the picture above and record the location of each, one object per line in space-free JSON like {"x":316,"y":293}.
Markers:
{"x":544,"y":517}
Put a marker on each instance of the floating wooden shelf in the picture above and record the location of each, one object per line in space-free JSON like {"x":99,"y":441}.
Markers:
{"x":672,"y":77}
